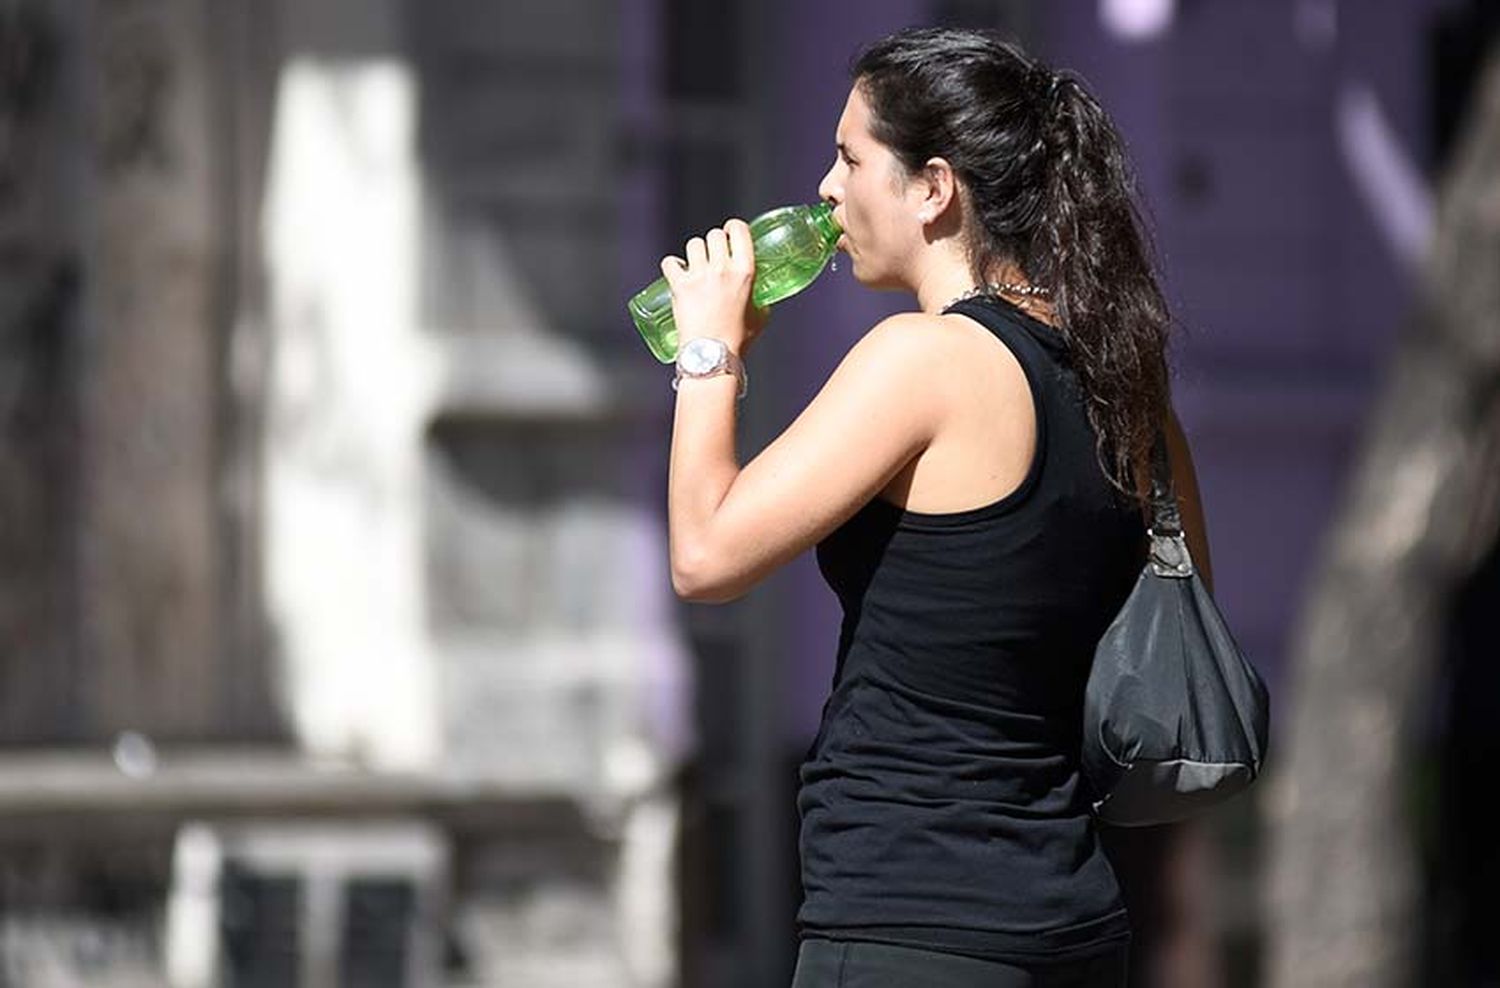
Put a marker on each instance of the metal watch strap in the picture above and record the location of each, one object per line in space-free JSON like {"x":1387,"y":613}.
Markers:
{"x":733,"y":366}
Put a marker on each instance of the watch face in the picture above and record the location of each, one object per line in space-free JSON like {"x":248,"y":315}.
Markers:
{"x":701,"y":355}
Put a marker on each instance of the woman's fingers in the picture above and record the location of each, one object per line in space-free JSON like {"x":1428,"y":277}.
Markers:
{"x":672,"y":267}
{"x":718,"y":246}
{"x":741,"y":248}
{"x":726,"y":250}
{"x":729,"y":246}
{"x":713,"y":286}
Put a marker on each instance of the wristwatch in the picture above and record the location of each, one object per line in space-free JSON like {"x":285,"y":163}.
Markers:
{"x":704,"y":356}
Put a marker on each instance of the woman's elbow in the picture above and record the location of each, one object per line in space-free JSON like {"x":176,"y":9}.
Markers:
{"x":688,"y":578}
{"x":694,"y":580}
{"x":683,"y":584}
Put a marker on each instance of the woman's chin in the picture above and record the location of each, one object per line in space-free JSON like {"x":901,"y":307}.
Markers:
{"x":880,"y":281}
{"x":862,"y":272}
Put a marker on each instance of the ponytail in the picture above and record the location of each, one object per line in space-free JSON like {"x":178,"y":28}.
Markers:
{"x":1091,"y":249}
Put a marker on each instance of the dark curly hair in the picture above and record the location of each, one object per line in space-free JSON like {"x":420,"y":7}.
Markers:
{"x":1047,"y":187}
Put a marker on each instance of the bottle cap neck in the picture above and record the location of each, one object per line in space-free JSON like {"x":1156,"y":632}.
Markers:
{"x":822,"y":217}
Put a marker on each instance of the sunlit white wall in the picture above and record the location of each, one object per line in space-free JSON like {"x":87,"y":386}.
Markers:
{"x":348,"y":386}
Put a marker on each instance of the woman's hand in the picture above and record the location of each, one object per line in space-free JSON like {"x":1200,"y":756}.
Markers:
{"x":711,"y":289}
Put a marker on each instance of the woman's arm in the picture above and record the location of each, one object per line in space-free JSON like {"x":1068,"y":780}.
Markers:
{"x":729,"y":528}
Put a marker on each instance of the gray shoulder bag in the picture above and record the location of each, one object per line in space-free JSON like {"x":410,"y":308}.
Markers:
{"x":1175,"y":717}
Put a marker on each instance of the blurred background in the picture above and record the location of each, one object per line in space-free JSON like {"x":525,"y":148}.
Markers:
{"x":337,"y":642}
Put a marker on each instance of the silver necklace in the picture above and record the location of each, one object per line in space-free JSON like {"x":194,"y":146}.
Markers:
{"x":1002,"y":288}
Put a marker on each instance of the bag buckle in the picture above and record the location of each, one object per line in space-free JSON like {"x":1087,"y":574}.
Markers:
{"x":1169,"y":554}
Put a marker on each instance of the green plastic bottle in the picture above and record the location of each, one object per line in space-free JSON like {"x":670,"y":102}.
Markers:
{"x":792,"y":246}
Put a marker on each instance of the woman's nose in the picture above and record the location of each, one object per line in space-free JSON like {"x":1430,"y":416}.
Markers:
{"x":826,"y":190}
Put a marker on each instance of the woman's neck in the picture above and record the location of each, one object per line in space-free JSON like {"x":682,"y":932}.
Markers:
{"x":944,"y":282}
{"x":941,"y":287}
{"x":942,"y":274}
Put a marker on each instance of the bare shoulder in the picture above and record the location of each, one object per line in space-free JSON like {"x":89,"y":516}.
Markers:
{"x":898,"y":350}
{"x":939,"y":363}
{"x":914,"y":341}
{"x":902,"y":334}
{"x":911,"y":354}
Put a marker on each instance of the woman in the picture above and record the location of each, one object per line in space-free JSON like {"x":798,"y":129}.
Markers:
{"x":972,"y":476}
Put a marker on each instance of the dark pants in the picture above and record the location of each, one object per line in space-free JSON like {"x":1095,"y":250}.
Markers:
{"x":854,"y":964}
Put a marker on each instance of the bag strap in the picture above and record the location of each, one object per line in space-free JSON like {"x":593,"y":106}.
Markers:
{"x":1169,"y":549}
{"x":1166,"y":519}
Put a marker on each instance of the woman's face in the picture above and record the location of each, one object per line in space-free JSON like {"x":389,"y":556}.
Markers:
{"x":869,"y":192}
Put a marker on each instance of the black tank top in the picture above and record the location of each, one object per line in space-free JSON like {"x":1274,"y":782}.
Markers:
{"x":941,"y":801}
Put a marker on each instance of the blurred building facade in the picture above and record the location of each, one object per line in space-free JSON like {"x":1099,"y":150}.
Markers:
{"x":338,"y":647}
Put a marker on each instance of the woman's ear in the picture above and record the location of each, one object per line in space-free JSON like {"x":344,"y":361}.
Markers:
{"x":938,"y":188}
